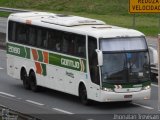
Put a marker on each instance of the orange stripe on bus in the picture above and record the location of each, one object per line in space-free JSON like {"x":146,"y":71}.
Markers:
{"x":45,"y":57}
{"x":38,"y":68}
{"x":35,"y":54}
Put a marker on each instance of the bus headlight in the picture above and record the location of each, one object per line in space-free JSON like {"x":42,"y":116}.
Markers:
{"x":146,"y":87}
{"x":108,"y":89}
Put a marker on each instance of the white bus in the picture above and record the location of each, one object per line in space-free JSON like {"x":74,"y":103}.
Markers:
{"x":79,"y":56}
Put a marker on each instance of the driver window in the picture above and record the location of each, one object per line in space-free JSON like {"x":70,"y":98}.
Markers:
{"x":93,"y":62}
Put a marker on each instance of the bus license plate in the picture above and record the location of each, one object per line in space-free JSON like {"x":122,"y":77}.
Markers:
{"x":127,"y":96}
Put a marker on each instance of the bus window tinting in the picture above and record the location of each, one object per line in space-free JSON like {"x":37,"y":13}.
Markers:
{"x":21,"y":33}
{"x":51,"y":39}
{"x":93,"y":62}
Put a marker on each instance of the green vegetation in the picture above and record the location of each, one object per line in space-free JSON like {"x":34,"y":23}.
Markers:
{"x":4,"y":14}
{"x":113,"y":12}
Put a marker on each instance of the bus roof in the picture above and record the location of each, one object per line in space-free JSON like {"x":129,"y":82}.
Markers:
{"x":75,"y":24}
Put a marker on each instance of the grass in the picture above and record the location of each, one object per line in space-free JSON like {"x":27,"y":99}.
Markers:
{"x":4,"y":14}
{"x":113,"y":12}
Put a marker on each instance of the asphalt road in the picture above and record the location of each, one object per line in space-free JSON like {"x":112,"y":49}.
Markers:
{"x":50,"y":104}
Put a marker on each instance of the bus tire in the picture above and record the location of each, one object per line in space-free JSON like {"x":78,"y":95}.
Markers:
{"x":83,"y":95}
{"x":33,"y":82}
{"x":25,"y":79}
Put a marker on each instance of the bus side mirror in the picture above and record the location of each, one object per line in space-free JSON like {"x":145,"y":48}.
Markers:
{"x":99,"y":57}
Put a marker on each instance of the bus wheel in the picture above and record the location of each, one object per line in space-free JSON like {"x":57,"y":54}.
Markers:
{"x":25,"y":79}
{"x":83,"y":95}
{"x":33,"y":82}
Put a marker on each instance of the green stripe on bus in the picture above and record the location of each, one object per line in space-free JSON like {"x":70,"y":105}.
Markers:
{"x":67,"y":62}
{"x":40,"y":56}
{"x":54,"y":59}
{"x":28,"y":53}
{"x":44,"y":69}
{"x":18,"y":50}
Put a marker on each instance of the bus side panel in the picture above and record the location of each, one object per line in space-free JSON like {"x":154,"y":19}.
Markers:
{"x":72,"y":80}
{"x":10,"y":65}
{"x":18,"y":63}
{"x":62,"y":79}
{"x":55,"y":78}
{"x":50,"y":78}
{"x":93,"y":91}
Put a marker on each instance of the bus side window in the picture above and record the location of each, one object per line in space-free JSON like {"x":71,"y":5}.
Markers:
{"x":81,"y":46}
{"x":72,"y":44}
{"x":51,"y":40}
{"x":21,"y":33}
{"x":92,"y":55}
{"x":65,"y":42}
{"x":11,"y":31}
{"x":32,"y":33}
{"x":45,"y":38}
{"x":39,"y":38}
{"x":42,"y":39}
{"x":58,"y":39}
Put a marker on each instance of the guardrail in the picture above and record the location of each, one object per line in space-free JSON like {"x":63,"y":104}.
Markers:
{"x":12,"y":10}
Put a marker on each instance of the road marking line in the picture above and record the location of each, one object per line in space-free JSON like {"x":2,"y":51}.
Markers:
{"x":2,"y":50}
{"x":33,"y":102}
{"x":1,"y":68}
{"x":60,"y":110}
{"x":154,"y":85}
{"x":147,"y":107}
{"x":7,"y":94}
{"x":3,"y":106}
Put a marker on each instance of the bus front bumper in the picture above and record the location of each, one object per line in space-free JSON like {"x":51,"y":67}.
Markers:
{"x":114,"y":96}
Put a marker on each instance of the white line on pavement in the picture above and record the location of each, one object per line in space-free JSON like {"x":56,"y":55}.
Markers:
{"x":1,"y":68}
{"x":2,"y":50}
{"x":60,"y":110}
{"x":3,"y":106}
{"x":33,"y":102}
{"x":147,"y":107}
{"x":154,"y":85}
{"x":7,"y":94}
{"x":19,"y":98}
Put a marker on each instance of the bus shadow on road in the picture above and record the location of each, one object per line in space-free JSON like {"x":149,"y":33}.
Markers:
{"x":113,"y":105}
{"x":55,"y":95}
{"x":74,"y":99}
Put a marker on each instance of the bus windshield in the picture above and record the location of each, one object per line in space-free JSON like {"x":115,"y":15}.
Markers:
{"x":125,"y":64}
